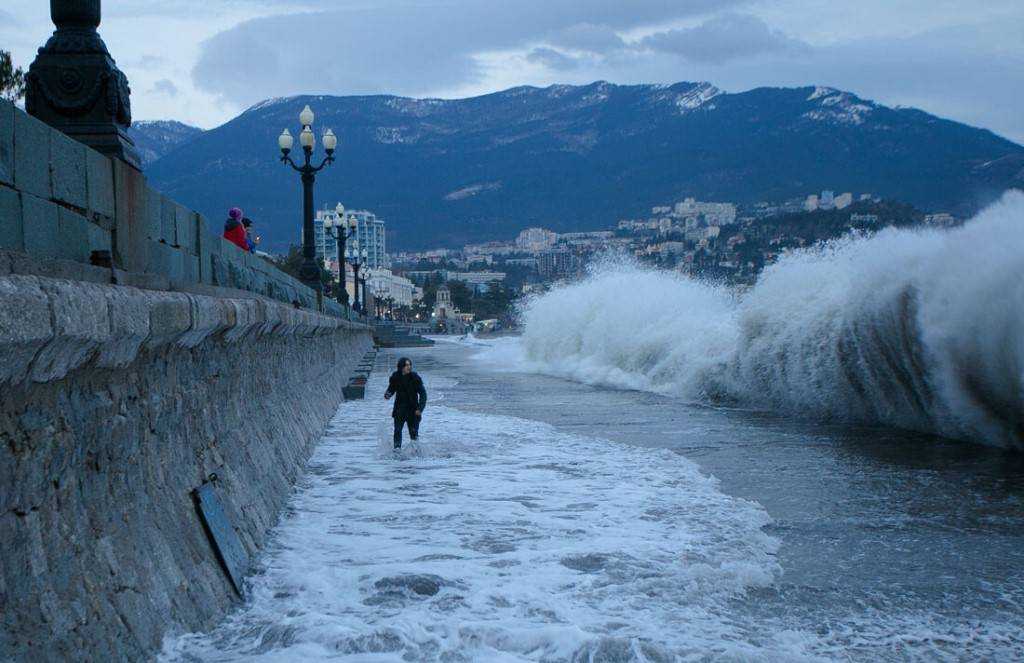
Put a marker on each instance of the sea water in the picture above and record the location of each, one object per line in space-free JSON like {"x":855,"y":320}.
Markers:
{"x":811,"y":470}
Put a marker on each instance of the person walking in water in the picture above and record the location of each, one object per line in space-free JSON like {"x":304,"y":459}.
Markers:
{"x":410,"y":399}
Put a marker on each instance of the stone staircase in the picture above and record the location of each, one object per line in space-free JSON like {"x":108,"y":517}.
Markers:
{"x":390,"y":335}
{"x":356,"y":387}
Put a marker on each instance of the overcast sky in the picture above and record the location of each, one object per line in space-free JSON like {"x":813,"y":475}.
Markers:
{"x":204,"y":61}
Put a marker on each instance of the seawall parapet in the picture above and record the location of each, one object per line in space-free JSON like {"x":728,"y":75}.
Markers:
{"x":117,"y":402}
{"x":140,"y":356}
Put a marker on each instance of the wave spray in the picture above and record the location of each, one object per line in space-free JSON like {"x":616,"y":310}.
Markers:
{"x":919,"y":329}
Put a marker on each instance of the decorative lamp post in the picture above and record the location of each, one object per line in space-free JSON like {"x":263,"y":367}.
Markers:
{"x":341,"y":231}
{"x":309,"y":271}
{"x":355,"y":282}
{"x":362,"y":261}
{"x":365,"y":297}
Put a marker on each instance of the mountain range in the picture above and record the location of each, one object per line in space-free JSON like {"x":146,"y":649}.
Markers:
{"x":155,"y":138}
{"x":570,"y":158}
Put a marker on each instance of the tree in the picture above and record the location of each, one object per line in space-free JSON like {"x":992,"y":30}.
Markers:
{"x":292,"y":265}
{"x":462,"y":296}
{"x":12,"y":80}
{"x":430,"y":286}
{"x":496,"y":302}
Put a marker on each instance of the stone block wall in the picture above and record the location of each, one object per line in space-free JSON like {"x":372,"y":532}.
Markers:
{"x":124,"y":384}
{"x":115,"y":403}
{"x":60,"y":200}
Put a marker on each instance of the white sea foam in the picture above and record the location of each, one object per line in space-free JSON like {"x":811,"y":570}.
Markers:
{"x":500,"y":539}
{"x":921,"y":329}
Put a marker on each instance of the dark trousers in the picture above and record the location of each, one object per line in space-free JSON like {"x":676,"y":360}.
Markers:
{"x":406,"y":419}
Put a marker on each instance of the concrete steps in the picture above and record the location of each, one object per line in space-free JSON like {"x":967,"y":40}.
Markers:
{"x":356,"y":387}
{"x":390,"y":335}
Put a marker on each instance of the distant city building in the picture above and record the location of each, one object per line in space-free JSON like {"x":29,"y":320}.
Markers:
{"x":866,"y":219}
{"x":445,"y":315}
{"x":811,"y":203}
{"x":585,"y":240}
{"x":533,"y":240}
{"x":670,"y":248}
{"x":595,"y":234}
{"x":530,"y":263}
{"x":827,"y":200}
{"x":420,"y":277}
{"x":638,"y":224}
{"x":384,"y":284}
{"x":443,"y":303}
{"x":479,"y":281}
{"x":491,"y":248}
{"x":558,"y":263}
{"x":843,"y":200}
{"x":719,"y":214}
{"x":942,"y":219}
{"x":369,"y":236}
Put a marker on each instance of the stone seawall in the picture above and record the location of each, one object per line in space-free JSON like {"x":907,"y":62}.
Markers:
{"x":62,"y":202}
{"x":115,"y":403}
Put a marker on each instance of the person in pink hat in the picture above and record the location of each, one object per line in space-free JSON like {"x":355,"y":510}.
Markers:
{"x":234,"y":231}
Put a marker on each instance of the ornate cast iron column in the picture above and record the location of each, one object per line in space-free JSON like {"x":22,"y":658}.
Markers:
{"x":74,"y":86}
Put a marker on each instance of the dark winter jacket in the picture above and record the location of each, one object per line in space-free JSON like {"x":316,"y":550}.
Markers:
{"x":235,"y":233}
{"x":409,"y":392}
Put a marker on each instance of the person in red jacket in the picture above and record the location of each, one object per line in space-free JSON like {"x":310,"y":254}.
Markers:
{"x":234,"y":231}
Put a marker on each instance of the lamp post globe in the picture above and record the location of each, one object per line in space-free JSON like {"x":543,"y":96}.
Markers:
{"x":330,"y":142}
{"x":285,"y":142}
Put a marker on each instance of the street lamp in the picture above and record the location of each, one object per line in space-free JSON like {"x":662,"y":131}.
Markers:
{"x":356,"y":265}
{"x":309,"y":271}
{"x":361,"y":256}
{"x":341,"y":231}
{"x":365,"y":297}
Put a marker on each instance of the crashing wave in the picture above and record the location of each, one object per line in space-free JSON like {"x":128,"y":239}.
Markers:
{"x":920,"y":329}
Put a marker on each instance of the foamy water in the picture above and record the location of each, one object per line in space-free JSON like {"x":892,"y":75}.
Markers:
{"x":500,"y":539}
{"x":919,"y":329}
{"x":497,"y":538}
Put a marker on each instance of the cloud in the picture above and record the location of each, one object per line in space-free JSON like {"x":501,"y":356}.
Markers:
{"x":967,"y":65}
{"x":552,"y":59}
{"x":165,"y":86}
{"x":415,"y":49}
{"x":588,"y":37}
{"x":967,"y":73}
{"x":724,"y":38}
{"x":149,"y":62}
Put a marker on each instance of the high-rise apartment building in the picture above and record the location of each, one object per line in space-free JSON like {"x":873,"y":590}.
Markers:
{"x":369,"y":237}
